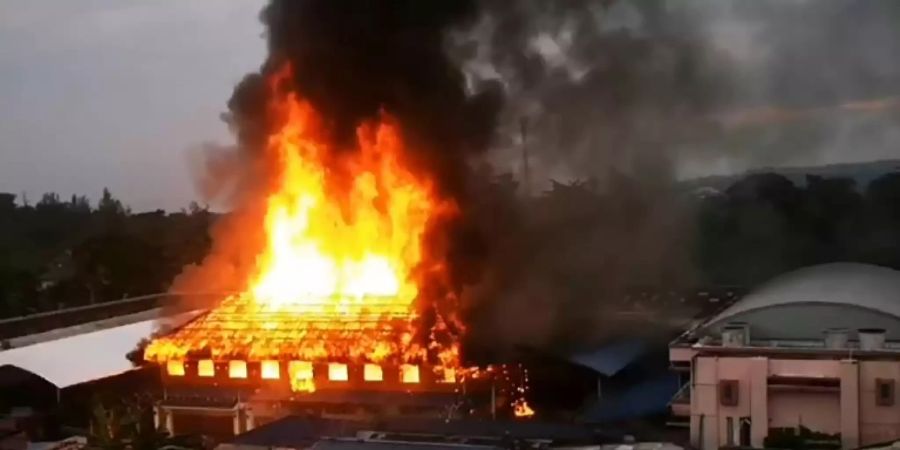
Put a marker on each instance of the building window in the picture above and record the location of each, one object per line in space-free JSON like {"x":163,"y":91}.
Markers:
{"x":175,"y":368}
{"x":409,"y":373}
{"x":300,"y":370}
{"x":728,"y":392}
{"x":372,"y":372}
{"x":746,"y":426}
{"x":270,"y":370}
{"x":884,"y":392}
{"x":729,"y":431}
{"x":337,"y":372}
{"x":206,"y":368}
{"x":237,"y":369}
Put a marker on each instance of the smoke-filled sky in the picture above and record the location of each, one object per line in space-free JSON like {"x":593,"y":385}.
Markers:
{"x":98,"y":93}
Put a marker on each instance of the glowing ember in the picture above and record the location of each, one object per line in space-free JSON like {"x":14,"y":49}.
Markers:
{"x":206,"y":368}
{"x":336,"y":279}
{"x":521,"y":408}
{"x":372,"y":372}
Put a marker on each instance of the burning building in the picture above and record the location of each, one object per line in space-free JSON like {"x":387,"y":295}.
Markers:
{"x":338,"y":312}
{"x":347,"y":242}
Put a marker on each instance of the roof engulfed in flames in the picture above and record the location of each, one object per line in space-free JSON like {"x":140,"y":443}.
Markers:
{"x":338,"y":276}
{"x":373,"y":330}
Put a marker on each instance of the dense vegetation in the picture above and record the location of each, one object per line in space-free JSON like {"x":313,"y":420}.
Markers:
{"x":764,"y":225}
{"x":59,"y":253}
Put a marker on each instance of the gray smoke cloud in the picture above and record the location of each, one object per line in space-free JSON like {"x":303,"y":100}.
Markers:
{"x":604,"y":83}
{"x":625,"y":95}
{"x":634,"y":95}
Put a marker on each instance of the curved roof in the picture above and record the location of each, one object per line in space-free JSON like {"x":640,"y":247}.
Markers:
{"x":11,"y":375}
{"x":80,"y":358}
{"x":865,"y":286}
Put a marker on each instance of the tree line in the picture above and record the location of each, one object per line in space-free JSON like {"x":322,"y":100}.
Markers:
{"x":60,"y":253}
{"x":573,"y":241}
{"x":764,"y":225}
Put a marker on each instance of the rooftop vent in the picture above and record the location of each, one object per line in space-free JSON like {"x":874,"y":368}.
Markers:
{"x":736,"y":334}
{"x":837,"y":338}
{"x":871,"y":338}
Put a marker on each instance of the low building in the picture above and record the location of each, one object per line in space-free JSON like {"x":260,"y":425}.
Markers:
{"x":812,"y":354}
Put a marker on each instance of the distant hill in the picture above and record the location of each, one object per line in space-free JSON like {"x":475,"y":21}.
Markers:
{"x":863,"y":173}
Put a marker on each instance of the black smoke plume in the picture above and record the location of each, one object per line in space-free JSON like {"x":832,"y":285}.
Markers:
{"x":620,"y":94}
{"x":354,"y":58}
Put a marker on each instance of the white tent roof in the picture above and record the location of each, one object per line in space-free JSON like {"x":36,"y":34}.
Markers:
{"x":82,"y":357}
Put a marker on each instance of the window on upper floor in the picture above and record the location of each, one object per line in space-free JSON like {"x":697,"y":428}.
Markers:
{"x":728,"y":392}
{"x":884,"y":392}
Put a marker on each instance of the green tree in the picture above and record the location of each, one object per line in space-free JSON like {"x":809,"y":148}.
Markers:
{"x":110,"y":206}
{"x":7,"y":203}
{"x":124,"y":423}
{"x":79,"y":204}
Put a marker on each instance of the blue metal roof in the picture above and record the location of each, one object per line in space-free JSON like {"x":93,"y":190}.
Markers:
{"x":611,"y":358}
{"x":642,"y":399}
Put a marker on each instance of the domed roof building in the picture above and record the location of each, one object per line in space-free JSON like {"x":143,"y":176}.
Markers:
{"x":806,"y":303}
{"x":815,"y":350}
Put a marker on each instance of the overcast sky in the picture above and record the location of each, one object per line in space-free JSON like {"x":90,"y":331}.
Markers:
{"x":113,"y":93}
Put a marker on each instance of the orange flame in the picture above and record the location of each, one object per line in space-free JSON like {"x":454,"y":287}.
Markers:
{"x":335,"y":281}
{"x":343,"y":243}
{"x":522,"y":409}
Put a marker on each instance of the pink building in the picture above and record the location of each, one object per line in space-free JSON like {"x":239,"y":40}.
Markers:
{"x":817,"y":349}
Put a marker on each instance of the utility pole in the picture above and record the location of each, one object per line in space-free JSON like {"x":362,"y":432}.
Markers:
{"x":526,"y":176}
{"x":493,"y":399}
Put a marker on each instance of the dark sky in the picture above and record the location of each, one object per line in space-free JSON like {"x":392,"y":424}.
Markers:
{"x":98,"y":93}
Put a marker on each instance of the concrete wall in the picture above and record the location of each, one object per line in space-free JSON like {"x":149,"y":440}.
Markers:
{"x":814,"y":410}
{"x":849,"y":407}
{"x":877,"y":423}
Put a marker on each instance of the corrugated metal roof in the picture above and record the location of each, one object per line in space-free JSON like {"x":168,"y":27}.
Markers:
{"x":80,"y":358}
{"x":646,"y":397}
{"x":611,"y":358}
